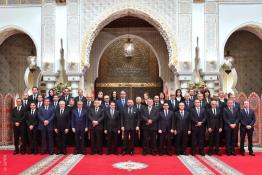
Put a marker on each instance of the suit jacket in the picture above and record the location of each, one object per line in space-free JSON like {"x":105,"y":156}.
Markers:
{"x":247,"y":119}
{"x":103,"y":105}
{"x":139,"y":111}
{"x":214,"y":121}
{"x":195,"y":118}
{"x":46,"y":115}
{"x":18,"y":116}
{"x":230,"y":118}
{"x":32,"y":119}
{"x":119,"y":104}
{"x":26,"y":105}
{"x":237,"y":106}
{"x":64,"y":97}
{"x":159,"y":106}
{"x":188,"y":106}
{"x":112,"y":123}
{"x":173,"y":106}
{"x":129,"y":121}
{"x":99,"y":116}
{"x":83,"y":99}
{"x":55,"y":106}
{"x":79,"y":122}
{"x":39,"y":103}
{"x":62,"y":122}
{"x":30,"y":98}
{"x":165,"y":122}
{"x":182,"y":124}
{"x":153,"y":115}
{"x":91,"y":105}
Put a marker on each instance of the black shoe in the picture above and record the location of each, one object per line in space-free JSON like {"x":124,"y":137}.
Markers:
{"x":100,"y":153}
{"x":116,"y":153}
{"x":75,"y":152}
{"x":193,"y":153}
{"x":169,"y":153}
{"x":218,"y":153}
{"x":51,"y":153}
{"x":233,"y":153}
{"x":153,"y":153}
{"x":183,"y":153}
{"x":15,"y":152}
{"x":108,"y":152}
{"x":131,"y":153}
{"x":123,"y":153}
{"x":42,"y":152}
{"x":210,"y":152}
{"x":202,"y":153}
{"x":160,"y":154}
{"x":84,"y":152}
{"x":251,"y":154}
{"x":144,"y":153}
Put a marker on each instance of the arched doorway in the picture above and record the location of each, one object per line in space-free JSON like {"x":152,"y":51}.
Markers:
{"x":14,"y":52}
{"x":134,"y":75}
{"x":244,"y":45}
{"x":140,"y":30}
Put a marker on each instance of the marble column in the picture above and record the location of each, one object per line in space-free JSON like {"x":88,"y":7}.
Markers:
{"x":210,"y":79}
{"x":184,"y":80}
{"x":74,"y":79}
{"x":50,"y":79}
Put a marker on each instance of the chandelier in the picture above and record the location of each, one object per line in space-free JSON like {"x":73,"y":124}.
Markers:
{"x":129,"y":48}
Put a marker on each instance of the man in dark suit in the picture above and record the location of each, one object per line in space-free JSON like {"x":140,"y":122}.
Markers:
{"x":173,"y":103}
{"x":46,"y":116}
{"x":140,"y":107}
{"x":221,"y":105}
{"x":106,"y":103}
{"x":165,"y":129}
{"x":150,"y":119}
{"x":89,"y":103}
{"x":96,"y":117}
{"x":231,"y":119}
{"x":192,"y":95}
{"x":112,"y":128}
{"x":129,"y":125}
{"x":203,"y":103}
{"x":32,"y":122}
{"x":214,"y":127}
{"x":79,"y":124}
{"x":66,"y":96}
{"x":39,"y":102}
{"x":34,"y":96}
{"x":26,"y":102}
{"x":188,"y":103}
{"x":18,"y":120}
{"x":157,"y":103}
{"x":122,"y":102}
{"x":61,"y":125}
{"x":247,"y":120}
{"x":198,"y":119}
{"x":80,"y":97}
{"x":55,"y":102}
{"x":182,"y":128}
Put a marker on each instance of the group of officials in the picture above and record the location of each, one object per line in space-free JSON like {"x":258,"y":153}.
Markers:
{"x":155,"y":122}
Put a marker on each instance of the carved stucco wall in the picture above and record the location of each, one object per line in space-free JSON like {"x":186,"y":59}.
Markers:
{"x":95,"y":14}
{"x":245,"y":47}
{"x":13,"y":60}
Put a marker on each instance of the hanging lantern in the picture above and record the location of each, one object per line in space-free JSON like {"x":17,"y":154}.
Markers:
{"x":129,"y":48}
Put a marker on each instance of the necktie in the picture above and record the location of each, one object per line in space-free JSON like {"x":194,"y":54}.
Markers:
{"x":32,"y":112}
{"x":247,"y":112}
{"x":61,"y":112}
{"x":187,"y":103}
{"x":96,"y":110}
{"x":46,"y":108}
{"x":18,"y":108}
{"x":138,"y":106}
{"x":231,"y":109}
{"x":182,"y":114}
{"x":214,"y":111}
{"x":166,"y":113}
{"x":79,"y":112}
{"x":198,"y":111}
{"x":123,"y":102}
{"x":33,"y":97}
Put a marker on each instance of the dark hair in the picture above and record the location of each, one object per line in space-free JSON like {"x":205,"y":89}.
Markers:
{"x":35,"y":87}
{"x":206,"y":90}
{"x":162,"y":94}
{"x":179,"y":90}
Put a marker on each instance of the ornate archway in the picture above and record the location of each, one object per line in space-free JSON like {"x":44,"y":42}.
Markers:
{"x":122,"y":10}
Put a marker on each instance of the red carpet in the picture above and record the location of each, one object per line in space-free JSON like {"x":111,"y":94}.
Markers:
{"x":247,"y":165}
{"x":100,"y":165}
{"x":14,"y":164}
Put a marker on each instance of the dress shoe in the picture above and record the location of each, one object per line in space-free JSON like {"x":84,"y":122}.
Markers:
{"x":84,"y":152}
{"x":131,"y":153}
{"x":233,"y":153}
{"x":202,"y":153}
{"x":242,"y":153}
{"x":123,"y":153}
{"x":160,"y":154}
{"x":116,"y":153}
{"x":108,"y":152}
{"x":51,"y":153}
{"x":42,"y":152}
{"x":251,"y":154}
{"x":210,"y":152}
{"x":75,"y":152}
{"x":183,"y":153}
{"x":153,"y":153}
{"x":169,"y":153}
{"x":218,"y":153}
{"x":144,"y":153}
{"x":100,"y":152}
